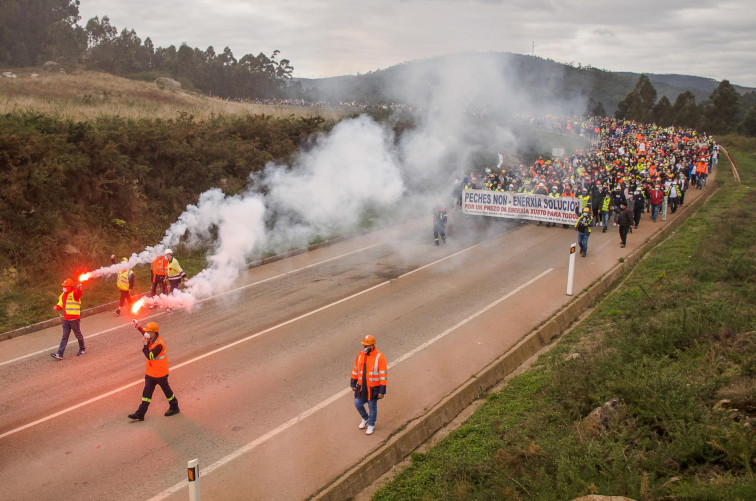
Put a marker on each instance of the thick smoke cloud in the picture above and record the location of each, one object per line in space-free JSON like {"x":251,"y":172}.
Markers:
{"x":460,"y":108}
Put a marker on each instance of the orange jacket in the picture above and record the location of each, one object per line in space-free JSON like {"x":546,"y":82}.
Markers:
{"x":156,"y":365}
{"x":377,"y":371}
{"x":159,"y":267}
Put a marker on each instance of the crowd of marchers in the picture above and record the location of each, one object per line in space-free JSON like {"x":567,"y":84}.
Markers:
{"x":633,"y":166}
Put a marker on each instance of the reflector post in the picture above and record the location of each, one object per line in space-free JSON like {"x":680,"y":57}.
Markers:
{"x":193,"y":479}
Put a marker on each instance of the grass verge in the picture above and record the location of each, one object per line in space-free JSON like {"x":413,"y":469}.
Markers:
{"x":670,"y":359}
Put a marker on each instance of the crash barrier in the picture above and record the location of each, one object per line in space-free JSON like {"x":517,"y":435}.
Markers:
{"x":409,"y":437}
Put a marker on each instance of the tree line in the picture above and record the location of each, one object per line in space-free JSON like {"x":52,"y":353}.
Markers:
{"x":726,"y":111}
{"x":35,"y":31}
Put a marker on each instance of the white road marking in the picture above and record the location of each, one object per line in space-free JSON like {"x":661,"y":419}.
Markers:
{"x":283,"y":427}
{"x":89,"y":336}
{"x":230,"y":345}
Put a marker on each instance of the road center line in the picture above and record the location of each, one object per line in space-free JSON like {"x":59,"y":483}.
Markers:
{"x":283,"y":427}
{"x":281,"y":275}
{"x":231,"y":345}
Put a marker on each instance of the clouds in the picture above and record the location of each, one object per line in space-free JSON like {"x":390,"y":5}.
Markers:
{"x":333,"y":37}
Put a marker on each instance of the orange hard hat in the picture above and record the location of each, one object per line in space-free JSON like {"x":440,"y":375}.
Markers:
{"x":67,"y":283}
{"x":368,"y":340}
{"x":151,"y":327}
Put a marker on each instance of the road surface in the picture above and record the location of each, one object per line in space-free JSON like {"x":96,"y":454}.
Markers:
{"x":262,"y":372}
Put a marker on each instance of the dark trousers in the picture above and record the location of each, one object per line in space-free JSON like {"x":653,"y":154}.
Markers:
{"x":637,"y":216}
{"x":68,"y":326}
{"x":174,"y":284}
{"x":623,"y":233}
{"x":149,"y":388}
{"x":158,"y":280}
{"x":439,"y":229}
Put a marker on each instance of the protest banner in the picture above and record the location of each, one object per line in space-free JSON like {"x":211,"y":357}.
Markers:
{"x":562,"y":210}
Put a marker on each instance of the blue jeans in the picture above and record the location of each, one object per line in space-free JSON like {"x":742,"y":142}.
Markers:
{"x":372,"y":408}
{"x":583,"y":241}
{"x":68,"y":326}
{"x":654,"y":211}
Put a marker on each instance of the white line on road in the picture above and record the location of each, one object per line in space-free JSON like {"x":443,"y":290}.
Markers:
{"x":283,"y":427}
{"x":230,"y":345}
{"x":89,"y":336}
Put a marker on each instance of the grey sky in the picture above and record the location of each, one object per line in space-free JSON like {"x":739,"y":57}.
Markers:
{"x":323,"y":38}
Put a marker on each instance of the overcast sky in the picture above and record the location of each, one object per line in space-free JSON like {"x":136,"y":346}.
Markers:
{"x":323,"y":38}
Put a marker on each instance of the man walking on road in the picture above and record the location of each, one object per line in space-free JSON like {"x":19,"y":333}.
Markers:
{"x":583,"y":227}
{"x":70,"y":303}
{"x":368,"y":382}
{"x":156,"y":371}
{"x":124,"y":282}
{"x":159,"y":269}
{"x":439,"y":222}
{"x":625,"y":221}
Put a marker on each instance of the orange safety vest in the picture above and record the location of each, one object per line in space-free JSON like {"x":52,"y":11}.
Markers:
{"x":157,"y":366}
{"x":122,"y":281}
{"x":377,"y":371}
{"x":160,"y":266}
{"x":72,"y":306}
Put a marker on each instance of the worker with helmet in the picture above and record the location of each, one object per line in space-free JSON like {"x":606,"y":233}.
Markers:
{"x":175,"y":272}
{"x":124,"y":282}
{"x":69,"y":302}
{"x":439,"y":221}
{"x":159,"y":269}
{"x":156,"y":371}
{"x":583,"y":227}
{"x":368,"y":382}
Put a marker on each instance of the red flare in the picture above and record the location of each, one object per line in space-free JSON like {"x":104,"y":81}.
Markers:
{"x":136,"y":306}
{"x":84,"y":277}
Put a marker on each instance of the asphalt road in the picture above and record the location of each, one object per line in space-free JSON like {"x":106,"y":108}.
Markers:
{"x":262,"y":372}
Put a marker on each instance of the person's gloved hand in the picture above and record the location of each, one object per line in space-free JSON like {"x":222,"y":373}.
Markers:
{"x":136,"y":324}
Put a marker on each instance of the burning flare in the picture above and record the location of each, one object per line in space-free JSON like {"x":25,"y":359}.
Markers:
{"x":136,"y":306}
{"x":84,"y":277}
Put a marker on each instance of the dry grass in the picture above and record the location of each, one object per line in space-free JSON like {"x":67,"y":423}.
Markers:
{"x":86,"y":95}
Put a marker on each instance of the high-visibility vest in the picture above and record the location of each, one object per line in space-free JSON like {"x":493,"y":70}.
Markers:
{"x":122,"y":279}
{"x":174,"y":270}
{"x":377,"y":370}
{"x":72,"y":306}
{"x":160,"y":266}
{"x":157,"y":366}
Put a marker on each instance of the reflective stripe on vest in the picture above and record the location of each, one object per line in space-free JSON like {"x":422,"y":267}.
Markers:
{"x":73,"y":307}
{"x":122,"y":280}
{"x":157,"y":366}
{"x":160,"y":266}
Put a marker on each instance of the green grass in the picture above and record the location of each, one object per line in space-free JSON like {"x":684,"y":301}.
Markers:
{"x":674,"y":344}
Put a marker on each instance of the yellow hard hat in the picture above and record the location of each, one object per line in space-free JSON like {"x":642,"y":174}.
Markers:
{"x":368,"y":340}
{"x":151,"y":327}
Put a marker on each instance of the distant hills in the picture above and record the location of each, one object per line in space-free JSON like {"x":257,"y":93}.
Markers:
{"x":543,"y":78}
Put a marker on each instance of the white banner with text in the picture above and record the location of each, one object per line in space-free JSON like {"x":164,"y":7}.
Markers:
{"x":521,"y":206}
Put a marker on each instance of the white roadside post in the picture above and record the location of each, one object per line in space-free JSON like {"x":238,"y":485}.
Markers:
{"x":571,"y":269}
{"x":193,"y":477}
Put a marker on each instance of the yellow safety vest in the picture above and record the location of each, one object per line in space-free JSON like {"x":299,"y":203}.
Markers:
{"x":73,"y":307}
{"x":122,"y":280}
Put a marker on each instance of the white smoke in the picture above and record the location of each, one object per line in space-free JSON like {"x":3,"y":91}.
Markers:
{"x":358,"y":166}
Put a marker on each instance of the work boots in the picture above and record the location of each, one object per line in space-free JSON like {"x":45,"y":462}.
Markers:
{"x":171,"y":411}
{"x":136,"y":417}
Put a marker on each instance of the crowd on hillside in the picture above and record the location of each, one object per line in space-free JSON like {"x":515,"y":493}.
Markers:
{"x":638,"y":164}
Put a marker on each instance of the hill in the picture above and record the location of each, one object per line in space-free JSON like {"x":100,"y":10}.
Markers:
{"x":86,"y":95}
{"x":547,"y":79}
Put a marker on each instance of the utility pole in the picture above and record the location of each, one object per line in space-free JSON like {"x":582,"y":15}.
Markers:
{"x":533,"y":50}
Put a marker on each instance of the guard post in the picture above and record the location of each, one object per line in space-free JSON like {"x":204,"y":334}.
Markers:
{"x":193,"y":478}
{"x":571,"y":269}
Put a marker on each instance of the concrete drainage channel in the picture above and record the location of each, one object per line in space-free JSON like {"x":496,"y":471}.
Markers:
{"x":419,"y":430}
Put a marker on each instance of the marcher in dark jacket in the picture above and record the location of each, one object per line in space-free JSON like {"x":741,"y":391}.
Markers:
{"x":639,"y":202}
{"x":624,"y":220}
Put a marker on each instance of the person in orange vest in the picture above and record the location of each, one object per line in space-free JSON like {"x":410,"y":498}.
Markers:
{"x":70,"y":303}
{"x":124,"y":282}
{"x":156,"y":371}
{"x":159,"y":269}
{"x":368,"y":382}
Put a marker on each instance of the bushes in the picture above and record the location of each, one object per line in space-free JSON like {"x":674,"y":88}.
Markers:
{"x":67,"y":182}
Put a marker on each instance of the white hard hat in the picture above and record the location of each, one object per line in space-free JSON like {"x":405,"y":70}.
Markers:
{"x":168,"y":251}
